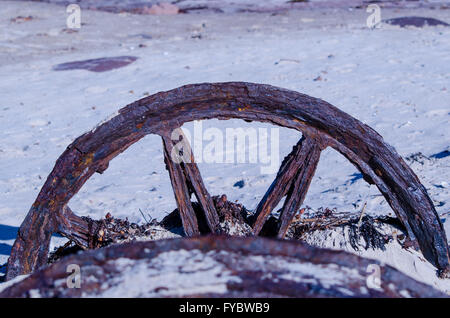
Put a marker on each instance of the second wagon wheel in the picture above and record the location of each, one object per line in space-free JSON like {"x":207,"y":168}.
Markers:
{"x":322,"y":125}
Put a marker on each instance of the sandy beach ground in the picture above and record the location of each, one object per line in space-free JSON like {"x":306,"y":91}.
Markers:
{"x":397,"y":80}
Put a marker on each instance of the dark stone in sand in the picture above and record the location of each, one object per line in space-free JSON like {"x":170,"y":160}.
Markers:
{"x":103,"y":64}
{"x":240,"y":184}
{"x":415,"y":21}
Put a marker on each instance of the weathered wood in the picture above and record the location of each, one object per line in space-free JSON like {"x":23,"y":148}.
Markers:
{"x":193,"y":178}
{"x":377,"y":161}
{"x":30,"y":250}
{"x":195,"y":182}
{"x":299,"y":187}
{"x":233,"y":267}
{"x":204,"y":199}
{"x":180,"y":189}
{"x":290,"y":175}
{"x":82,"y":231}
{"x":277,"y":189}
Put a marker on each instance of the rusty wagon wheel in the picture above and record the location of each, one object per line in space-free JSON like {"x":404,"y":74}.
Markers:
{"x":321,"y":124}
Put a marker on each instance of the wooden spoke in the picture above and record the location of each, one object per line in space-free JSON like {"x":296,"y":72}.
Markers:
{"x":300,"y":185}
{"x":204,"y":199}
{"x":290,"y":170}
{"x":80,"y":230}
{"x":193,"y":179}
{"x":180,"y":189}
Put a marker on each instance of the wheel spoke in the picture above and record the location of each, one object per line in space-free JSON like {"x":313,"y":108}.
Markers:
{"x":287,"y":176}
{"x":299,"y":188}
{"x":204,"y":199}
{"x":80,"y":230}
{"x":180,"y":189}
{"x":192,"y":177}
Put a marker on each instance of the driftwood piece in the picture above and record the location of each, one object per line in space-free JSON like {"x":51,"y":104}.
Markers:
{"x":229,"y":267}
{"x":378,"y":162}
